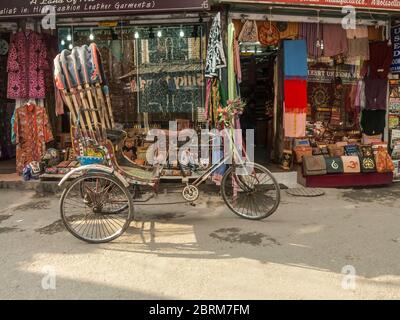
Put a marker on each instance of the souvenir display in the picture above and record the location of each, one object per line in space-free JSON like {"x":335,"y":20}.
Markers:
{"x":314,"y":165}
{"x":334,"y":165}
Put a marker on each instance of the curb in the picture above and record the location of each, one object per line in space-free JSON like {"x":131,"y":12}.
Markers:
{"x":40,"y":187}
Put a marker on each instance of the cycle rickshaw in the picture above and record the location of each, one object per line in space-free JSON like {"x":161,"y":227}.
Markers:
{"x":97,"y":204}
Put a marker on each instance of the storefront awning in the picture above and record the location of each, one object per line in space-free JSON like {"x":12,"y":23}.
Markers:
{"x":386,"y":5}
{"x":33,"y":8}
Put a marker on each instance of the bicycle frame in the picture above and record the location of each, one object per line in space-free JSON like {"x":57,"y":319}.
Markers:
{"x":234,"y":155}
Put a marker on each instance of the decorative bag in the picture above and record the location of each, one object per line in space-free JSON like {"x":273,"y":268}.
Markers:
{"x":249,"y":32}
{"x":269,"y":34}
{"x":300,"y":152}
{"x":334,"y":165}
{"x":383,"y":161}
{"x":351,"y":150}
{"x":367,"y":164}
{"x":366,"y":151}
{"x":314,"y":166}
{"x":316,"y":151}
{"x":335,"y":151}
{"x":351,"y":164}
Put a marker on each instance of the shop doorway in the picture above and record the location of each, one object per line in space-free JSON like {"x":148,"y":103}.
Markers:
{"x":257,"y":89}
{"x":7,"y":149}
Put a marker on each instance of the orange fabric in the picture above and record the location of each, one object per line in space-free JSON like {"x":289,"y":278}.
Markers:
{"x":383,"y":161}
{"x":291,"y":32}
{"x":374,"y":34}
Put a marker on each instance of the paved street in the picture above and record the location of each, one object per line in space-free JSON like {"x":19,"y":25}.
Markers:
{"x":206,"y":252}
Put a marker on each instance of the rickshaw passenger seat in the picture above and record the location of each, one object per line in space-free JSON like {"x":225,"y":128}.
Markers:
{"x":116,"y":136}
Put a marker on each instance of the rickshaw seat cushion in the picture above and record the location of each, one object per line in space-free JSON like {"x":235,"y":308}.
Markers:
{"x":139,"y":173}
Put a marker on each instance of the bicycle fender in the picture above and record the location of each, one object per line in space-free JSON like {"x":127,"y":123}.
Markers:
{"x":95,"y":168}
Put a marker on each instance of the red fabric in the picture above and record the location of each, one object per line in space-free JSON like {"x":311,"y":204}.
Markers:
{"x":295,"y":95}
{"x":381,"y":58}
{"x":27,"y":62}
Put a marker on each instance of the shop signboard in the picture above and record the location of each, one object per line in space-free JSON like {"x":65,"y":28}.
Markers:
{"x":32,"y":8}
{"x":396,"y":49}
{"x":364,"y":4}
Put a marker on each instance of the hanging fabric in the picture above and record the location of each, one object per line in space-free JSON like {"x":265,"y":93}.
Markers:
{"x":295,"y":95}
{"x":27,"y":62}
{"x":312,"y":33}
{"x":232,"y":87}
{"x":295,"y":59}
{"x":335,"y":40}
{"x":215,"y":51}
{"x":295,"y":87}
{"x":32,"y":132}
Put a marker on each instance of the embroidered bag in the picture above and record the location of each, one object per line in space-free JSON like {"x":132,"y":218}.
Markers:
{"x":383,"y":161}
{"x":314,"y":165}
{"x":334,"y":165}
{"x":351,"y":164}
{"x":367,"y":164}
{"x":249,"y":32}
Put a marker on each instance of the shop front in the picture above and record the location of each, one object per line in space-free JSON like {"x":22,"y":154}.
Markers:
{"x":153,"y":53}
{"x":322,"y":93}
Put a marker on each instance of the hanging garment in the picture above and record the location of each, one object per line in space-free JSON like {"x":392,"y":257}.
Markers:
{"x":376,"y":93}
{"x":238,"y":27}
{"x":295,"y":95}
{"x":381,"y":58}
{"x":358,"y":48}
{"x":335,"y":40}
{"x":32,"y":132}
{"x":237,"y":64}
{"x":215,"y":51}
{"x":295,"y":125}
{"x":27,"y":62}
{"x":290,"y":31}
{"x":232,"y":84}
{"x":215,"y":101}
{"x":295,"y":59}
{"x":373,"y":121}
{"x":360,"y":32}
{"x":375,"y":34}
{"x":360,"y":101}
{"x":312,"y":33}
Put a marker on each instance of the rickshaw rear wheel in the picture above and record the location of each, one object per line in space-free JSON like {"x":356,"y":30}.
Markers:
{"x":96,"y":208}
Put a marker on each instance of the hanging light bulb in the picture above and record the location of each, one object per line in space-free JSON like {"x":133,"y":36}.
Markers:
{"x":70,"y":46}
{"x":159,"y":33}
{"x":69,"y":37}
{"x":63,"y":42}
{"x":137,"y":36}
{"x":91,"y":35}
{"x":181,"y":33}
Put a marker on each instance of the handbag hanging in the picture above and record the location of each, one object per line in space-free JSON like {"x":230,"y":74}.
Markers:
{"x":249,"y":32}
{"x":269,"y":34}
